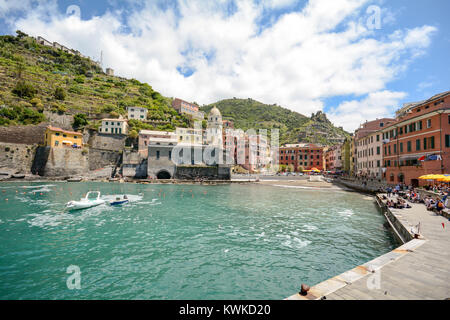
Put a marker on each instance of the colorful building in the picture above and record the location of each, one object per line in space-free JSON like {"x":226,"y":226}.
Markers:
{"x":418,"y":142}
{"x":302,"y":156}
{"x":146,"y":135}
{"x":368,"y":142}
{"x":184,"y":107}
{"x":57,"y":137}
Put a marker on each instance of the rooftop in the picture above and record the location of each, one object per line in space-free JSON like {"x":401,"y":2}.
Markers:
{"x":63,"y":131}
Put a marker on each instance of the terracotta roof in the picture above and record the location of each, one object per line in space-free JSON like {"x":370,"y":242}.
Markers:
{"x":64,"y":131}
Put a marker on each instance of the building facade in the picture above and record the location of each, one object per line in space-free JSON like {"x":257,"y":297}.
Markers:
{"x":114,"y":126}
{"x":146,"y":135}
{"x":368,"y":141}
{"x":184,"y":107}
{"x":58,"y":138}
{"x":302,"y":156}
{"x":418,"y":142}
{"x":189,"y":136}
{"x":137,"y":113}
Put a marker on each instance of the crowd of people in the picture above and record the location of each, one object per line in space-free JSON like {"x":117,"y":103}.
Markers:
{"x":402,"y":195}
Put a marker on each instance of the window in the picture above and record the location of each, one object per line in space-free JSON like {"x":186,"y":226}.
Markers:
{"x":419,"y":125}
{"x":401,"y":147}
{"x":409,"y":146}
{"x":447,"y":140}
{"x":389,"y":150}
{"x":57,"y":134}
{"x":106,"y":123}
{"x":157,"y":155}
{"x":395,"y":149}
{"x":418,"y":145}
{"x":170,"y":155}
{"x":429,"y":123}
{"x":378,"y":150}
{"x":432,"y":142}
{"x":56,"y":143}
{"x":424,"y":143}
{"x":378,"y":163}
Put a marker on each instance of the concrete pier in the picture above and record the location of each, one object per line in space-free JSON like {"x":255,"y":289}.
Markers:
{"x":417,"y":270}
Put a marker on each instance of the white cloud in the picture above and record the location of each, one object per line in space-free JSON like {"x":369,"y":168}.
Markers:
{"x":350,"y":114}
{"x":297,"y":62}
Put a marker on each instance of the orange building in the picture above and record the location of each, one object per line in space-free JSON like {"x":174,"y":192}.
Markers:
{"x":306,"y":156}
{"x":418,"y":142}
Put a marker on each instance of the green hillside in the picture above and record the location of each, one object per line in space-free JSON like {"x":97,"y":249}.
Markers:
{"x":294,"y":127}
{"x":34,"y":78}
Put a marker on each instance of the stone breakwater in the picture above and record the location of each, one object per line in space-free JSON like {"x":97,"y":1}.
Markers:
{"x":417,"y":270}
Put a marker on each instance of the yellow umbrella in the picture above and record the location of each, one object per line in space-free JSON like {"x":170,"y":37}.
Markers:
{"x":426,"y":177}
{"x":444,"y":178}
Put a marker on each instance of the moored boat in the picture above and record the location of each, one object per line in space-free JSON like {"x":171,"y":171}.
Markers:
{"x":118,"y":201}
{"x":86,"y":202}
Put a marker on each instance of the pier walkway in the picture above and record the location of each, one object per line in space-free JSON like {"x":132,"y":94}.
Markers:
{"x":418,"y":270}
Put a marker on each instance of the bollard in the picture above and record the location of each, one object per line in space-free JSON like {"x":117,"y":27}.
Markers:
{"x":304,"y":289}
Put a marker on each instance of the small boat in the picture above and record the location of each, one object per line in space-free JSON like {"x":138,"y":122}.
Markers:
{"x":86,"y":202}
{"x":119,"y":201}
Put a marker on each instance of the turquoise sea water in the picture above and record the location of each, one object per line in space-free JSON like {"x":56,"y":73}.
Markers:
{"x":182,"y":242}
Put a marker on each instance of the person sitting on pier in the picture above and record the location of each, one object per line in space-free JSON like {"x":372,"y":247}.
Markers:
{"x":430,"y":204}
{"x":390,"y":204}
{"x":439,"y":205}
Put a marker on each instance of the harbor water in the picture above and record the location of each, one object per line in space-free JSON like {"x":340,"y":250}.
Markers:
{"x":181,"y":241}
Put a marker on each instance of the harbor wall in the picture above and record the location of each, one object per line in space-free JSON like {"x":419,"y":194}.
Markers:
{"x":134,"y":165}
{"x":203,"y":172}
{"x":60,"y":162}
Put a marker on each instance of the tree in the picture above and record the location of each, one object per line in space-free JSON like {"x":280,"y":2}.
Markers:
{"x":80,"y":120}
{"x":133,"y":134}
{"x":60,"y":94}
{"x":21,"y":34}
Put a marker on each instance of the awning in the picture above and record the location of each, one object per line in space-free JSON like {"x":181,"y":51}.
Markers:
{"x":411,"y":157}
{"x":67,"y":142}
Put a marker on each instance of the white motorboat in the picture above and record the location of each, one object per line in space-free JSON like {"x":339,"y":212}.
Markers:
{"x":86,"y":202}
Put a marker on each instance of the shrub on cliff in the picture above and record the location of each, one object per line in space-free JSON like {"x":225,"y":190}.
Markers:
{"x":24,"y":90}
{"x":80,"y":120}
{"x":60,"y":94}
{"x":58,"y":108}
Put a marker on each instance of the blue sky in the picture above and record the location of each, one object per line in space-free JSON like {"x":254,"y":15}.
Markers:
{"x":303,"y":55}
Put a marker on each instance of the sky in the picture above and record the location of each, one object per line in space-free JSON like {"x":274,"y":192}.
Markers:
{"x":356,"y":60}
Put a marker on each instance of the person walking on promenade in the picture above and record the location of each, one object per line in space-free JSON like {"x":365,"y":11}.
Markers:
{"x":389,"y":191}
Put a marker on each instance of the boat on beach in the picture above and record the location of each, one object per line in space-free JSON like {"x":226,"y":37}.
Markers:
{"x":86,"y":202}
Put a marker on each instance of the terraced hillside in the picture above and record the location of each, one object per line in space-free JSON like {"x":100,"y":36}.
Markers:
{"x":34,"y":78}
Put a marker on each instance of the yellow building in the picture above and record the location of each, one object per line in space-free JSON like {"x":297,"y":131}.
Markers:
{"x":57,"y":137}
